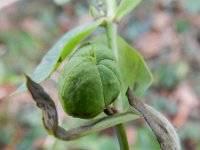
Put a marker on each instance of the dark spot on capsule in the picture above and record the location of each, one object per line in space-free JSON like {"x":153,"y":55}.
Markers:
{"x":86,"y":114}
{"x":75,"y":83}
{"x":75,"y":114}
{"x":63,"y":97}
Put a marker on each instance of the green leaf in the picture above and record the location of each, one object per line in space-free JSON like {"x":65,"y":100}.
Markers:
{"x":125,"y":7}
{"x":99,"y":124}
{"x":60,"y":51}
{"x":135,"y":73}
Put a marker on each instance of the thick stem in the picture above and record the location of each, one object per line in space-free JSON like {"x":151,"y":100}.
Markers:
{"x":111,"y":27}
{"x":111,"y":7}
{"x":122,"y":138}
{"x":111,"y":31}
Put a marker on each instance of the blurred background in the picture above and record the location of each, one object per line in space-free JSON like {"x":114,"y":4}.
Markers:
{"x":165,"y":32}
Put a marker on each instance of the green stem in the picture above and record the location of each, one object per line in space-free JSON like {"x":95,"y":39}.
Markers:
{"x":111,"y":31}
{"x":122,"y":138}
{"x":111,"y":7}
{"x":111,"y":27}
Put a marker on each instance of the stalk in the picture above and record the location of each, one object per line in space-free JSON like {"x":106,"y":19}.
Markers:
{"x":111,"y":31}
{"x":122,"y":138}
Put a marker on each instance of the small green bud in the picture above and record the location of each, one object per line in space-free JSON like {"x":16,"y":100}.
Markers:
{"x":94,"y":12}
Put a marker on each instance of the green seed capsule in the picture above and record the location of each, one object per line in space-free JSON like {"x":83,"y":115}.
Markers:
{"x":89,"y":82}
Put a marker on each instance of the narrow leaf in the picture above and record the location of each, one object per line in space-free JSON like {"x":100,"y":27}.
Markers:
{"x":60,"y":51}
{"x":125,"y":7}
{"x":97,"y":125}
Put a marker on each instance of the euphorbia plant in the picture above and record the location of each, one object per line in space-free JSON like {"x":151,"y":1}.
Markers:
{"x":103,"y":75}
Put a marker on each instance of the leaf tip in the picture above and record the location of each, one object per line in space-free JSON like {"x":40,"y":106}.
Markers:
{"x":27,"y":78}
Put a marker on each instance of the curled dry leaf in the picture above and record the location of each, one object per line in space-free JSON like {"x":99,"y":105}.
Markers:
{"x":162,"y":128}
{"x":44,"y":102}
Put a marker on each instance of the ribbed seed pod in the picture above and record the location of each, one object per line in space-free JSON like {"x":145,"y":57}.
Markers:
{"x":89,"y":82}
